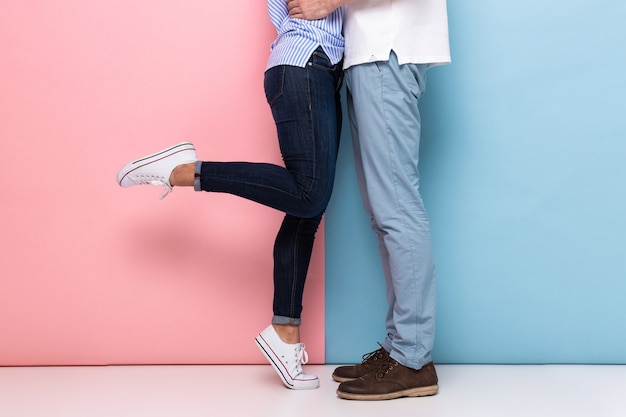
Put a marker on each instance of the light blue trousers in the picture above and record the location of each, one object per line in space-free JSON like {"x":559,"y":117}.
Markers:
{"x":385,"y":124}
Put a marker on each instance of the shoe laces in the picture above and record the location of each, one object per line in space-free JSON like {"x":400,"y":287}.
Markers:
{"x":154,"y":180}
{"x":368,"y":358}
{"x":385,"y":367}
{"x":302,"y":358}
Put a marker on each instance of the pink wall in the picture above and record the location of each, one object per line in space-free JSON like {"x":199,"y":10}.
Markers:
{"x":95,"y":274}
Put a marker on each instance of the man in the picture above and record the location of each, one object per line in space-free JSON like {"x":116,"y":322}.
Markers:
{"x":389,"y":46}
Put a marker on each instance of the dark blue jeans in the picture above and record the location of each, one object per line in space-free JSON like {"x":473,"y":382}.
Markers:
{"x":307,"y":112}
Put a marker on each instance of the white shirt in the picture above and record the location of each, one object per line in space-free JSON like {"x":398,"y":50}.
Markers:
{"x":416,"y":30}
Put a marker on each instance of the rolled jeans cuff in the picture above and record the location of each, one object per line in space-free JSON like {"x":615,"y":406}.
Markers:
{"x":196,"y":176}
{"x":286,"y":320}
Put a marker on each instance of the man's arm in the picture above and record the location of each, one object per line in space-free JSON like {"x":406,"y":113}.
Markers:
{"x":314,"y":9}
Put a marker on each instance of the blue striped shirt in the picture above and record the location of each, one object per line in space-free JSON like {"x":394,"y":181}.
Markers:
{"x":297,"y":39}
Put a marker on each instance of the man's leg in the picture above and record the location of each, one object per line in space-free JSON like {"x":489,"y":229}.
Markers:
{"x":385,"y":124}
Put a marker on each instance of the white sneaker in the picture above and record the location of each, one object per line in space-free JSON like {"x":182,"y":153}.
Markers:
{"x":156,"y":169}
{"x":287,"y":360}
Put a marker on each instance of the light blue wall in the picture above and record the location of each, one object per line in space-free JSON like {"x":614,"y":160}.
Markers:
{"x":523,"y":170}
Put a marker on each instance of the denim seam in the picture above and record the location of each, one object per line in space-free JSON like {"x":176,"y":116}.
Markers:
{"x":295,"y":277}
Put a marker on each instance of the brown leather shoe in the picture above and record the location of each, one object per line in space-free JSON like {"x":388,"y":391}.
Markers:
{"x":391,"y":380}
{"x":371,"y":361}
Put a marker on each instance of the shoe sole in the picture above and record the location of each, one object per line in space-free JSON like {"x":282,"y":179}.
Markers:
{"x":413,"y":392}
{"x":275,"y":362}
{"x":341,"y":378}
{"x":146,"y":160}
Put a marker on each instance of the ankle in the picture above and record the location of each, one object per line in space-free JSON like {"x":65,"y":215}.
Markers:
{"x":288,"y":333}
{"x":183,"y":175}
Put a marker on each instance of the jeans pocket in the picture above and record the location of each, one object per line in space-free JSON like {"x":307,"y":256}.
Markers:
{"x":273,"y":83}
{"x":320,"y":59}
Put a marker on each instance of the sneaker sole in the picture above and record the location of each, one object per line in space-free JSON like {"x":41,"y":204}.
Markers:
{"x":413,"y":392}
{"x":146,"y":160}
{"x":274,"y":361}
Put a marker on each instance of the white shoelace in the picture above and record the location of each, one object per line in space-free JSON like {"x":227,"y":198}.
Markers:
{"x":301,"y":357}
{"x":152,"y":180}
{"x":168,"y":189}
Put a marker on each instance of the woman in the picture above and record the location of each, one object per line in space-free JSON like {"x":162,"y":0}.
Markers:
{"x":302,"y":82}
